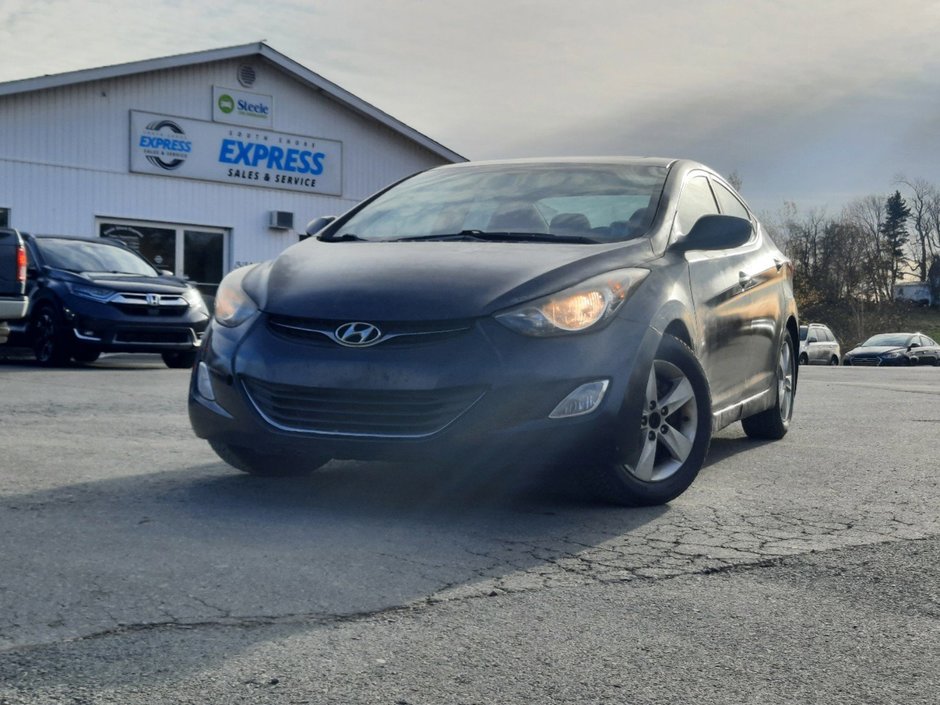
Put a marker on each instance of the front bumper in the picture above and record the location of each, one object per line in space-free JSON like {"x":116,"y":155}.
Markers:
{"x":104,"y":328}
{"x":855,"y":361}
{"x":13,"y":307}
{"x":494,"y":390}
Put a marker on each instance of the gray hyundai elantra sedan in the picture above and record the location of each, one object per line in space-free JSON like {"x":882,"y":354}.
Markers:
{"x":602,"y":315}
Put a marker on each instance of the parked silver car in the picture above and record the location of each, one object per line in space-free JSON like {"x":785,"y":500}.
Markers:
{"x":818,"y":346}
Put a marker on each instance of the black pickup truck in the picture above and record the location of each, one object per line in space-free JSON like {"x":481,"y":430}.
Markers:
{"x":13,"y":301}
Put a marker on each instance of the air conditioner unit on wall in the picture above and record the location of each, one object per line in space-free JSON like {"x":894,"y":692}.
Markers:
{"x":281,"y":220}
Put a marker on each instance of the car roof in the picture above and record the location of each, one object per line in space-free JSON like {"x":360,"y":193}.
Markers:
{"x":636,"y":161}
{"x":110,"y":241}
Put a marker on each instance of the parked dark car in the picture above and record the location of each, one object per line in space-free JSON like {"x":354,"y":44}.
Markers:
{"x":895,"y":349}
{"x":91,"y":296}
{"x":604,"y":314}
{"x":13,"y":301}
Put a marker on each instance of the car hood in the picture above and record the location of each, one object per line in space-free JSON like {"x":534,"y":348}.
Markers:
{"x":876,"y":350}
{"x":426,"y":280}
{"x":158,"y":285}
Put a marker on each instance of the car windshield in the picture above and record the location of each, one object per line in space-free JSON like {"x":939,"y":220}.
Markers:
{"x":888,"y":339}
{"x":803,"y":331}
{"x":92,"y":256}
{"x":567,"y":202}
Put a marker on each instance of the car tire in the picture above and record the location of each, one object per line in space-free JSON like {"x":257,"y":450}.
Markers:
{"x":267,"y":464}
{"x":179,"y":360}
{"x":833,"y":361}
{"x":85,"y":355}
{"x":803,"y":359}
{"x":49,"y":337}
{"x":774,"y":423}
{"x":669,"y":461}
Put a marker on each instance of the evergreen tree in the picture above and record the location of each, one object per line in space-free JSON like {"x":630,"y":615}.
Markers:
{"x":894,"y":230}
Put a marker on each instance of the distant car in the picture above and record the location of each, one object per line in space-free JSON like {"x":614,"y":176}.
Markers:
{"x":606,"y":315}
{"x":895,"y":349}
{"x":88,"y":296}
{"x":818,"y":346}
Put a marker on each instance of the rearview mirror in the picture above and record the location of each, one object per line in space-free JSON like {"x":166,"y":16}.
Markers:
{"x":317,"y":224}
{"x":717,"y":232}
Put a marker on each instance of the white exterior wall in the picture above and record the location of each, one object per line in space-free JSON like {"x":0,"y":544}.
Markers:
{"x":65,"y":157}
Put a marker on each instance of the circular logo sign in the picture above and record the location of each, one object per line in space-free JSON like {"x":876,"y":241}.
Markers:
{"x":226,"y":103}
{"x":165,"y":144}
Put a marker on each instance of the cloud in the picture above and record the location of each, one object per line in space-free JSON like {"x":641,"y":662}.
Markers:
{"x":790,"y":90}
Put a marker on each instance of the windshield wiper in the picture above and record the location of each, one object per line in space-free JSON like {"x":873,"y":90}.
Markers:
{"x":500,"y":236}
{"x":345,"y":237}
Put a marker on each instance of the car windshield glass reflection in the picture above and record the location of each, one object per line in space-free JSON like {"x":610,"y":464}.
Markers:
{"x":582,"y":204}
{"x":887,"y":339}
{"x":91,"y":256}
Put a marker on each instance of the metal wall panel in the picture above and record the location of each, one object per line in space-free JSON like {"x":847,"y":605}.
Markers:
{"x":64,"y":157}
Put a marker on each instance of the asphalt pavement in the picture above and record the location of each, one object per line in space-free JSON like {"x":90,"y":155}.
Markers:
{"x":137,"y":568}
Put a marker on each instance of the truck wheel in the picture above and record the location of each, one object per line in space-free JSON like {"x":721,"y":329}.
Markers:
{"x":51,"y":344}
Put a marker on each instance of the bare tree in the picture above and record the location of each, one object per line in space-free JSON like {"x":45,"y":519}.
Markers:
{"x":922,"y":197}
{"x":867,"y":214}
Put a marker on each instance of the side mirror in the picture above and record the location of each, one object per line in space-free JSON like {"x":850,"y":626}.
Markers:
{"x":166,"y":273}
{"x":913,"y":345}
{"x":717,"y":232}
{"x":812,"y":340}
{"x":317,"y":224}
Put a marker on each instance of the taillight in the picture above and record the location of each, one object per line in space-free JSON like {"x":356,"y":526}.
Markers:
{"x":21,"y":264}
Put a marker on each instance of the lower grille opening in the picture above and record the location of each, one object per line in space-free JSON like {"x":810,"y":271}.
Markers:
{"x":357,"y":412}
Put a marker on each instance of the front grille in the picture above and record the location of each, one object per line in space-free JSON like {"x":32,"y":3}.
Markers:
{"x":162,"y":311}
{"x":866,"y":361}
{"x":357,"y":412}
{"x":150,"y":304}
{"x":158,"y":337}
{"x":323,"y":331}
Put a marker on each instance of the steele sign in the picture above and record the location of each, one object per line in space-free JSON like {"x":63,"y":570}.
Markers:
{"x":242,"y":108}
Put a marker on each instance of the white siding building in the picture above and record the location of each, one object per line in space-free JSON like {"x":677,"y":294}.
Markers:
{"x":202,"y":161}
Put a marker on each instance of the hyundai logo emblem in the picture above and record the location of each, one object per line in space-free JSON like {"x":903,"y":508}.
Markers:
{"x":357,"y":335}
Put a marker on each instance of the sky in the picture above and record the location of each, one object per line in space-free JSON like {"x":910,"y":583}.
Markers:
{"x":815,"y":102}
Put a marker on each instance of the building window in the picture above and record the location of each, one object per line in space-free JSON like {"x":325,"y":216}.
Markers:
{"x":198,"y":253}
{"x":4,"y":217}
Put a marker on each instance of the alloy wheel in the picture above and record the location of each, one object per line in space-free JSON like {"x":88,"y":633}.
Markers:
{"x":785,"y":382}
{"x":45,"y":340}
{"x":668,"y":425}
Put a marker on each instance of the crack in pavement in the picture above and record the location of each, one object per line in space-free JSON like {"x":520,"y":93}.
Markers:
{"x":503,"y":587}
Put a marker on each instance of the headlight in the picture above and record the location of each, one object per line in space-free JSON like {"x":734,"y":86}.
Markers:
{"x":232,"y":305}
{"x":95,"y":293}
{"x":576,"y":309}
{"x":194,"y":298}
{"x":891,"y":355}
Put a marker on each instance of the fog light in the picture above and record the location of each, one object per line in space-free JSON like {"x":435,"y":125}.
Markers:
{"x":204,"y":382}
{"x":582,"y":400}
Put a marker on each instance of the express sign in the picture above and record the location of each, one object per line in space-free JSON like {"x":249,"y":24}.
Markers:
{"x":196,"y":149}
